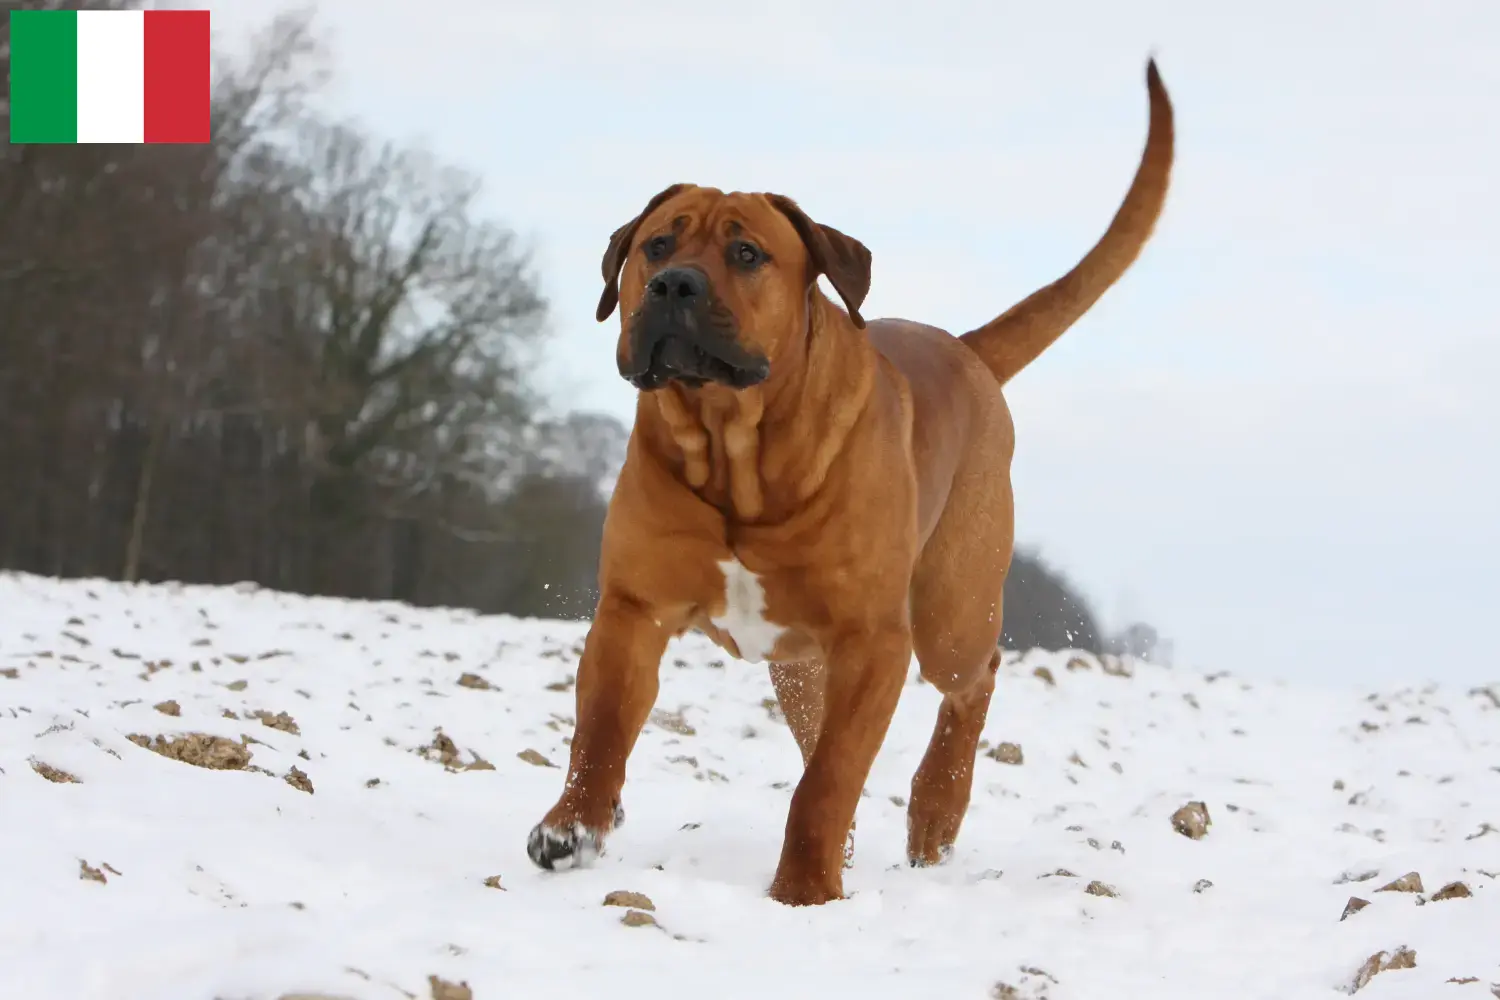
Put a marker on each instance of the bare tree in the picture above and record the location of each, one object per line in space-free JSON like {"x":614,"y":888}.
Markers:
{"x":297,"y":355}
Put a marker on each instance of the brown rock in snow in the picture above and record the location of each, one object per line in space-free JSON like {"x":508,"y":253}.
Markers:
{"x":1410,"y":882}
{"x":1453,"y":890}
{"x":444,"y":990}
{"x":630,"y":900}
{"x":1402,"y":958}
{"x":535,"y":758}
{"x":1192,"y":820}
{"x":216,"y":753}
{"x":638,"y":918}
{"x":1007,"y":753}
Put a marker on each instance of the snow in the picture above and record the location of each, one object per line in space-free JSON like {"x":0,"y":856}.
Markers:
{"x":235,"y":885}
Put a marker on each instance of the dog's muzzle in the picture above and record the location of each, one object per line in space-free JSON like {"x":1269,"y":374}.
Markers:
{"x":682,"y":334}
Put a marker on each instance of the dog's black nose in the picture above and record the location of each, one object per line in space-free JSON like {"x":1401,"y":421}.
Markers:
{"x":679,"y":286}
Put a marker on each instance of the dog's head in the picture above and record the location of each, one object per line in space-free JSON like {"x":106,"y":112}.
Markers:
{"x":714,"y":287}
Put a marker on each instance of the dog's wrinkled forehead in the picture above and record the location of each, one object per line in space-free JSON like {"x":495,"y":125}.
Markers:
{"x":699,"y":215}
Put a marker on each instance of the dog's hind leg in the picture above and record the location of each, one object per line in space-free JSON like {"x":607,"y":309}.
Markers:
{"x":799,"y":690}
{"x":956,"y":611}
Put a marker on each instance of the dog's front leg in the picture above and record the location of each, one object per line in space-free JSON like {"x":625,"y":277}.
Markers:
{"x":866,"y":672}
{"x":618,"y":678}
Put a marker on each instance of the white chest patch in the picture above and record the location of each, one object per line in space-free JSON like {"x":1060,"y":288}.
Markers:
{"x":744,"y":617}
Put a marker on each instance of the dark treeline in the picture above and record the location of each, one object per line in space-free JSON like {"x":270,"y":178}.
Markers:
{"x":296,"y":356}
{"x":1043,"y":610}
{"x":299,"y":356}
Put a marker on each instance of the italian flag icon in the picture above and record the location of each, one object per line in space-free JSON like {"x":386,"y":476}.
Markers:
{"x":131,"y":76}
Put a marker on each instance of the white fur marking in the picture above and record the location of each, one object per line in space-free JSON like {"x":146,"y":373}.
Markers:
{"x":744,"y":617}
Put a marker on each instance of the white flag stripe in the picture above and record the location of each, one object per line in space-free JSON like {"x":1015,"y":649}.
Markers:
{"x":111,"y":76}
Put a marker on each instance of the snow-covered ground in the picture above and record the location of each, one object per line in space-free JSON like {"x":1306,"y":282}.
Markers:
{"x":380,"y":766}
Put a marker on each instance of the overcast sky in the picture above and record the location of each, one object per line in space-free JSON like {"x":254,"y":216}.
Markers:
{"x":1278,"y":438}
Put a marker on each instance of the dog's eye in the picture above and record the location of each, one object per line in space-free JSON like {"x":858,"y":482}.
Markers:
{"x":746,"y":254}
{"x":659,"y":247}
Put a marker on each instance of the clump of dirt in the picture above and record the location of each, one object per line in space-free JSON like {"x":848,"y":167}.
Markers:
{"x":534,"y":758}
{"x":493,"y":882}
{"x":1192,"y":821}
{"x":1114,"y":666}
{"x":88,"y":873}
{"x":168,"y":707}
{"x":444,"y":990}
{"x":633,"y":900}
{"x":1453,"y":890}
{"x":10,"y":673}
{"x":638,"y":918}
{"x":1045,"y":676}
{"x":216,"y":753}
{"x":474,"y":682}
{"x":1401,"y":958}
{"x":673,"y":722}
{"x":1202,"y":885}
{"x":1079,"y":663}
{"x":280,"y":720}
{"x":237,"y":685}
{"x":1097,"y":888}
{"x":444,"y":751}
{"x":1352,"y":907}
{"x":299,"y":780}
{"x":1410,"y":882}
{"x":56,"y":775}
{"x":1007,"y":753}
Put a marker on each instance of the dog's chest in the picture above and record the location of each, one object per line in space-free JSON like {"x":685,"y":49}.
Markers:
{"x":744,"y":616}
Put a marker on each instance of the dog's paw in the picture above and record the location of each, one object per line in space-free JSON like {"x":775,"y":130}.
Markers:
{"x":931,"y":829}
{"x":806,"y":892}
{"x":557,"y":849}
{"x":941,"y":856}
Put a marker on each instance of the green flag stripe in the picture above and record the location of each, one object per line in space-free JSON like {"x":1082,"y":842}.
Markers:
{"x":43,"y":76}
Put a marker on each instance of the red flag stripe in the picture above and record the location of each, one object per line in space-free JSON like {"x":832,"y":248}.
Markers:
{"x":178,"y":76}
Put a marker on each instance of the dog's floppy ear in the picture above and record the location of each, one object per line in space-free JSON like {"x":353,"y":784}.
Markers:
{"x":619,"y":249}
{"x":844,"y":259}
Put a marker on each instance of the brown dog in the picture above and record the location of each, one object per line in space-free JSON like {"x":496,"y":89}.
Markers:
{"x":813,"y":491}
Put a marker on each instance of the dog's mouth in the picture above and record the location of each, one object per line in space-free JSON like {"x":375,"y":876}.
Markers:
{"x":693,"y":361}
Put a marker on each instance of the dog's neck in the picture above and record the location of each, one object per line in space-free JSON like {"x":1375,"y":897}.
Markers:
{"x":759,"y":453}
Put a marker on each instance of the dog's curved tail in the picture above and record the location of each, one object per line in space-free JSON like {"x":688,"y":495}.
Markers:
{"x":1017,"y":337}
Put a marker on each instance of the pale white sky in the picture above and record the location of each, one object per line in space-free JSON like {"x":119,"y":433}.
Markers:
{"x":1278,"y":438}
